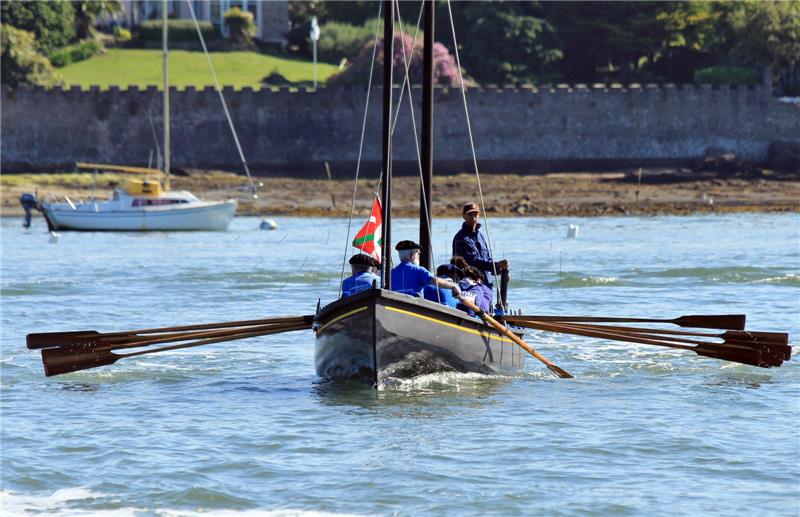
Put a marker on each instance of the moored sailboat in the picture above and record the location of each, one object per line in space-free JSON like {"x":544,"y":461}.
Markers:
{"x":148,"y":204}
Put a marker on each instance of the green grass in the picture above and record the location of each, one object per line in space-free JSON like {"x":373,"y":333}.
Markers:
{"x":124,"y":67}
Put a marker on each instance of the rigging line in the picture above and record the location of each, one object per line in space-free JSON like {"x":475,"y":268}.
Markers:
{"x":407,"y":82}
{"x":472,"y":147}
{"x":222,"y":100}
{"x":361,"y":149}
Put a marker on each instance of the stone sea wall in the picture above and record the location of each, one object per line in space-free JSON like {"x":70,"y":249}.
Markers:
{"x":291,"y":131}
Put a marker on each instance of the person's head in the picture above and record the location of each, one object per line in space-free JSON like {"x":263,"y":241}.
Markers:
{"x":449,"y":271}
{"x":472,"y":273}
{"x":459,"y":262}
{"x":361,"y":262}
{"x":471,"y":214}
{"x":408,"y":251}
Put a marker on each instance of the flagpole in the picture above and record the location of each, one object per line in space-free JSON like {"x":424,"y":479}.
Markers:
{"x":386,"y":233}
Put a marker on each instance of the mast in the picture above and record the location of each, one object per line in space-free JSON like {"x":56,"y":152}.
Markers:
{"x":425,"y":203}
{"x":165,"y":53}
{"x":386,"y":195}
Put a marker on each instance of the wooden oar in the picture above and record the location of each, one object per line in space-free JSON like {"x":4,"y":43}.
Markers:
{"x":772,"y":345}
{"x":777,"y":337}
{"x":55,"y":339}
{"x":516,"y":339}
{"x":68,"y":359}
{"x":723,"y":321}
{"x":736,"y":352}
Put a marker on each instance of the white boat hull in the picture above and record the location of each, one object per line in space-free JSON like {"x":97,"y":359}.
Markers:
{"x":214,"y":216}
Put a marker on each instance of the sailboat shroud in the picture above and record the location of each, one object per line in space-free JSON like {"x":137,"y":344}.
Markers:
{"x":377,"y":333}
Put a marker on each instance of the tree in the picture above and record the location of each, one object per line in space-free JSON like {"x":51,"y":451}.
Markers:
{"x":766,"y":33}
{"x":503,"y":42}
{"x":21,"y":60}
{"x":87,"y":12}
{"x":445,"y":71}
{"x":52,"y":23}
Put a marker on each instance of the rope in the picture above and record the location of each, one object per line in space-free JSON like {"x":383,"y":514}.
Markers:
{"x":407,"y":82}
{"x":472,"y":147}
{"x":361,"y":148}
{"x":222,"y":100}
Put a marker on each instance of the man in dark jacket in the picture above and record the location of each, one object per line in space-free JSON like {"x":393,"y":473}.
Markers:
{"x":470,"y":243}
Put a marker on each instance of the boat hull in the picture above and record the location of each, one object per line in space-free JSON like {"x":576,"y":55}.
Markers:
{"x":205,"y":216}
{"x":379,"y":334}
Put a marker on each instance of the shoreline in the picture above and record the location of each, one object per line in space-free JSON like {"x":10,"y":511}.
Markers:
{"x":580,"y":194}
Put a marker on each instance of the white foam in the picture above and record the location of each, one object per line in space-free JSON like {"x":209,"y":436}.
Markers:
{"x":12,"y":505}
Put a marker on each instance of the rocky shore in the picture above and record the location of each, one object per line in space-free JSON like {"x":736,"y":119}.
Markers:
{"x":651,"y":191}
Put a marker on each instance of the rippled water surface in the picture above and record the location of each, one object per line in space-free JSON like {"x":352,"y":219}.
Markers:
{"x":246,"y":428}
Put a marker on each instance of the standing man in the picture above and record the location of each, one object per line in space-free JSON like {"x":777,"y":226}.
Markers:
{"x":409,"y":277}
{"x":470,"y":243}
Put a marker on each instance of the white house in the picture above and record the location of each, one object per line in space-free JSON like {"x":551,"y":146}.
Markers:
{"x":270,"y":16}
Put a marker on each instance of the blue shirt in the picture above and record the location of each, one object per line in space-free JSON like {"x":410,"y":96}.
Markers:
{"x":410,"y":278}
{"x":429,"y":292}
{"x":473,"y":247}
{"x":359,"y":282}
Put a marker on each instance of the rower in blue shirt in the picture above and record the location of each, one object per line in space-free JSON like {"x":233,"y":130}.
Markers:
{"x":470,"y":243}
{"x":363,"y":277}
{"x":439,"y":295}
{"x":409,"y":277}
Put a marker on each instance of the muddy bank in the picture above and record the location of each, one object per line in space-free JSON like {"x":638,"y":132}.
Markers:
{"x":661,"y":191}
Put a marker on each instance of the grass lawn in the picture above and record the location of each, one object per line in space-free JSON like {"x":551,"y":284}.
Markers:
{"x":133,"y":67}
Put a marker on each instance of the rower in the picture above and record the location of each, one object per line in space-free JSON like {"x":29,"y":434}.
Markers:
{"x":443,"y":296}
{"x":409,"y":277}
{"x":363,"y":268}
{"x":470,"y":243}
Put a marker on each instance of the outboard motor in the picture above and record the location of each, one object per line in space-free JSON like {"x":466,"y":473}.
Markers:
{"x":28,"y":202}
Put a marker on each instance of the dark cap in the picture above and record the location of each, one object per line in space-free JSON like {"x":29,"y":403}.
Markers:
{"x":407,"y":245}
{"x":363,"y":260}
{"x":470,"y":207}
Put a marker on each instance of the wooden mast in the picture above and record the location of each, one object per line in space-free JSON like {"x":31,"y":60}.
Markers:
{"x":386,"y":197}
{"x":165,"y":53}
{"x":426,"y":201}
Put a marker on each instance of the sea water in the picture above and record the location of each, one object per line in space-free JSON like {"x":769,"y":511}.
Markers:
{"x":246,"y":427}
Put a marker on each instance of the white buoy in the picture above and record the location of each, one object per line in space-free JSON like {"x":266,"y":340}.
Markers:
{"x":572,"y":231}
{"x":54,"y":237}
{"x":268,"y":224}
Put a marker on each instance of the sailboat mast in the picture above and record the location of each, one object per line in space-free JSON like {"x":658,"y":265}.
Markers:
{"x":388,"y":55}
{"x":426,"y":202}
{"x":165,"y":53}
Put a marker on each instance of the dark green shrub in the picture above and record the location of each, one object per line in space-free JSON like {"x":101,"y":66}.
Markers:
{"x":52,"y":23}
{"x":339,"y":40}
{"x":75,"y":53}
{"x":241,"y":28}
{"x":178,"y":31}
{"x":21,"y":60}
{"x":717,"y":75}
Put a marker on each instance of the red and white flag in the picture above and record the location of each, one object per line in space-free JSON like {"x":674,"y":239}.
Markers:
{"x":368,"y":238}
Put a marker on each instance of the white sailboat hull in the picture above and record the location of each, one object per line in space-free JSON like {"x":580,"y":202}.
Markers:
{"x":214,"y":216}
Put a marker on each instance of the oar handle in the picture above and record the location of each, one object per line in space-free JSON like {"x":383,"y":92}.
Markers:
{"x":515,"y":338}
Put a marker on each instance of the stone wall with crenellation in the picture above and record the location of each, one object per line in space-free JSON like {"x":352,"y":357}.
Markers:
{"x":295,"y":132}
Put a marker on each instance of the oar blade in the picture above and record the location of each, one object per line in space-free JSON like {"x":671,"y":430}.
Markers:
{"x":718,"y":321}
{"x":58,"y":361}
{"x":41,"y":340}
{"x":560,"y":372}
